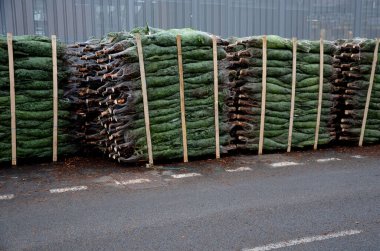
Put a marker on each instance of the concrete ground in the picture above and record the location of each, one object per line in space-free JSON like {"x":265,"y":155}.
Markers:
{"x":314,"y":200}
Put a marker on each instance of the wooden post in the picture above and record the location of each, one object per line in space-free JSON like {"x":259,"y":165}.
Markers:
{"x":292,"y":101}
{"x":145,"y":98}
{"x":216,"y":96}
{"x":369,"y":92}
{"x":55,"y":97}
{"x":12,"y":97}
{"x":182,"y":97}
{"x":320,"y":94}
{"x":350,"y":34}
{"x":263,"y":95}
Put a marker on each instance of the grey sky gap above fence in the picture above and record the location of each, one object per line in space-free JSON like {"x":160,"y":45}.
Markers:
{"x":77,"y":20}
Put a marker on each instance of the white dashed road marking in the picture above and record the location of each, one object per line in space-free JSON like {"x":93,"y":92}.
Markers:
{"x":327,"y":159}
{"x":7,"y":196}
{"x":285,"y":163}
{"x":357,"y":156}
{"x":68,"y":189}
{"x":240,"y":169}
{"x":185,"y":175}
{"x":131,"y":182}
{"x":294,"y":242}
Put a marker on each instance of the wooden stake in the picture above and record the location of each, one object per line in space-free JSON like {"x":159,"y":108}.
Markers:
{"x":182,"y":97}
{"x":263,"y":96}
{"x":292,"y":101}
{"x":55,"y":97}
{"x":216,"y":97}
{"x":369,"y":92}
{"x":12,"y":97}
{"x":350,"y":34}
{"x":145,"y":98}
{"x":320,"y":94}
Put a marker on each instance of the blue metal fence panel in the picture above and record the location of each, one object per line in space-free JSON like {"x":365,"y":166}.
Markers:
{"x":77,"y":20}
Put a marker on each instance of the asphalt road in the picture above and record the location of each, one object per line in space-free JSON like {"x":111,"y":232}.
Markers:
{"x":324,"y":200}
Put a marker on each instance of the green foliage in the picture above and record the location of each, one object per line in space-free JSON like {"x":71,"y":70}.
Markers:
{"x":34,"y":99}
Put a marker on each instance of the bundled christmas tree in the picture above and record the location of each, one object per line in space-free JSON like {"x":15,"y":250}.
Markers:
{"x":110,"y":81}
{"x":33,"y":71}
{"x":245,"y":78}
{"x":357,"y":56}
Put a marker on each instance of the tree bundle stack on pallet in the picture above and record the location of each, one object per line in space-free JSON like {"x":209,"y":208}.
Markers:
{"x":118,"y":96}
{"x":357,"y":56}
{"x":245,"y":58}
{"x":33,"y":85}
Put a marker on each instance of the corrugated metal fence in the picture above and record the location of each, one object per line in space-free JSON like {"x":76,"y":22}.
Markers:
{"x":76,"y":20}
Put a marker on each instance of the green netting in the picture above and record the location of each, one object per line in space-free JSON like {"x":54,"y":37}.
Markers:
{"x":34,"y":99}
{"x":117,"y":124}
{"x":245,"y":77}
